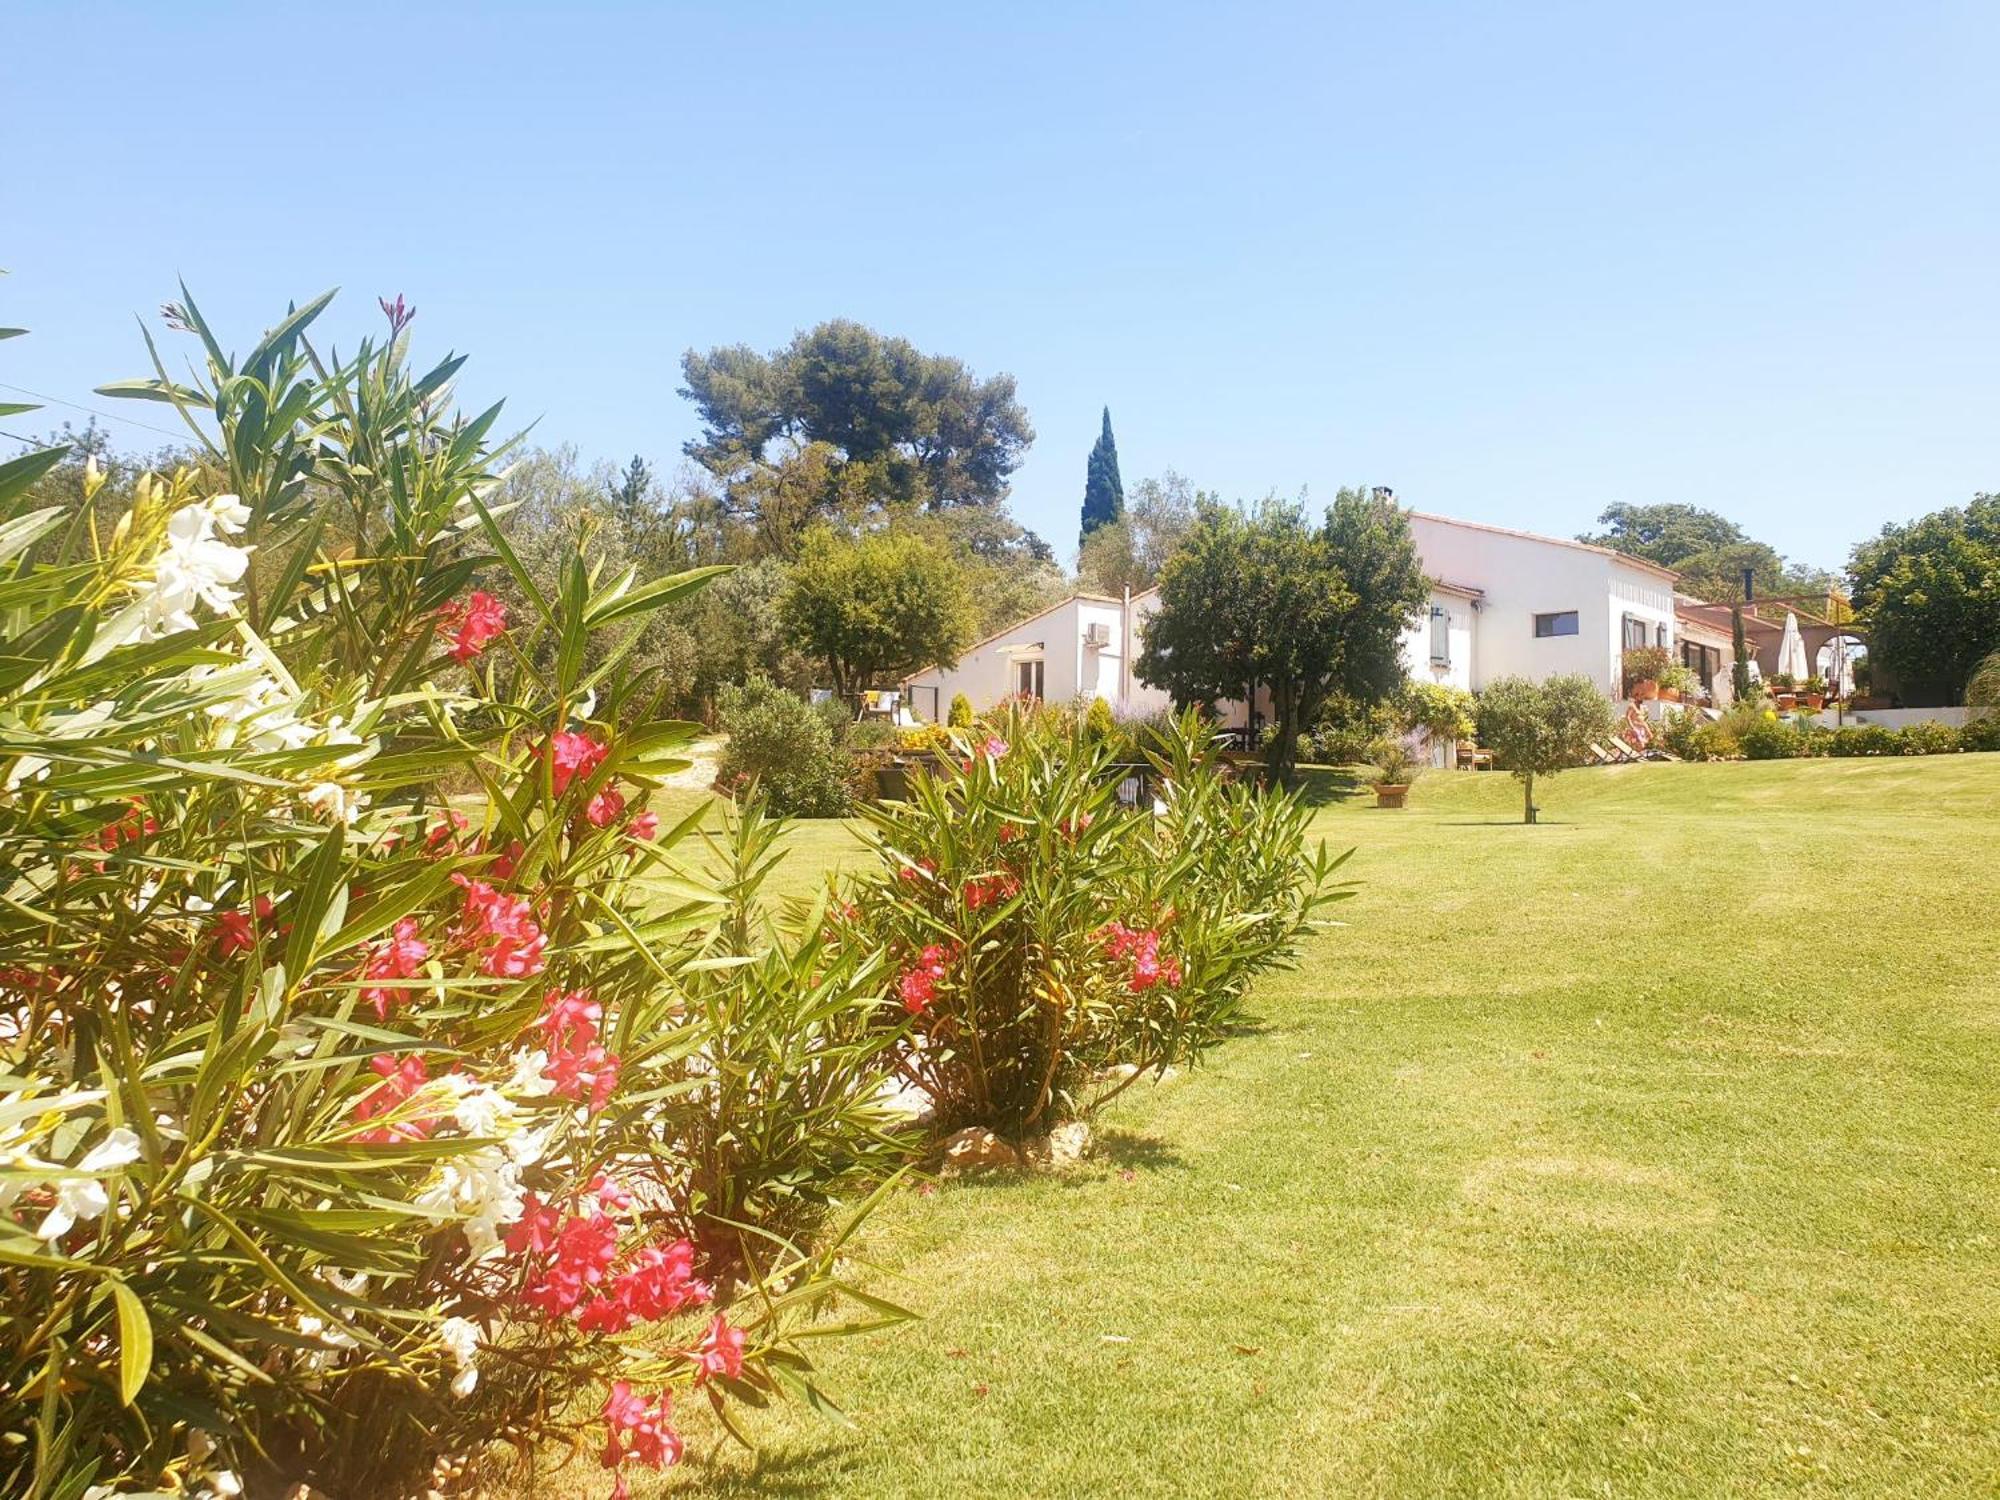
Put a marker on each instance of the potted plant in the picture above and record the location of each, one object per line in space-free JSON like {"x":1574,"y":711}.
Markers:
{"x":1784,"y":688}
{"x":1397,"y":768}
{"x":1644,"y":667}
{"x":1812,"y":693}
{"x":1679,"y":682}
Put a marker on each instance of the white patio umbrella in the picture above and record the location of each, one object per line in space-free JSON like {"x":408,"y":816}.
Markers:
{"x":1792,"y":650}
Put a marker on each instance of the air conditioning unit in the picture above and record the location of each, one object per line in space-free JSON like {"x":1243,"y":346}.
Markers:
{"x":1098,"y":634}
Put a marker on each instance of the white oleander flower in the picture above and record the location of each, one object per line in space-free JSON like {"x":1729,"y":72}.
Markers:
{"x":336,"y":802}
{"x":482,"y":1189}
{"x":461,"y":1338}
{"x":84,"y":1196}
{"x":196,"y":566}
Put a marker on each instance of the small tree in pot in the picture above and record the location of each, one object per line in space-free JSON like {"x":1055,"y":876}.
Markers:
{"x":1391,"y":757}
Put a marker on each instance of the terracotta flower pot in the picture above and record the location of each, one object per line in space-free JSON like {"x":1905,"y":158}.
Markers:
{"x":1787,"y":700}
{"x":1645,"y":689}
{"x":1391,"y":795}
{"x":1813,"y":701}
{"x":1670,"y":695}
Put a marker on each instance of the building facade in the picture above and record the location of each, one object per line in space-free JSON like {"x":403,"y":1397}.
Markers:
{"x":1503,"y":603}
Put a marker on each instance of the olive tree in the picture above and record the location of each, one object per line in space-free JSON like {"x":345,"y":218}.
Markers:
{"x":1540,"y":728}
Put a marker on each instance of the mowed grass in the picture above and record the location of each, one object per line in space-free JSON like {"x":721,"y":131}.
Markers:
{"x":1653,"y":1150}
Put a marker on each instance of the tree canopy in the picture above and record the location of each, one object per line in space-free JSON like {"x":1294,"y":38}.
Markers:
{"x":1103,"y":489}
{"x":878,"y":607}
{"x":1540,"y":728}
{"x":1130,"y":552}
{"x":843,"y":421}
{"x":1706,"y":548}
{"x":1262,"y":597}
{"x":1929,"y":591}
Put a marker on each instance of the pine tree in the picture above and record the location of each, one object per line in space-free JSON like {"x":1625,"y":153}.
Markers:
{"x":630,"y":493}
{"x":1103,"y":490}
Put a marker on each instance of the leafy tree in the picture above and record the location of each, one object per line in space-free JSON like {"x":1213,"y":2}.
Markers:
{"x":1130,"y":552}
{"x":1263,"y":598}
{"x":1009,"y":572}
{"x":1930,"y":593}
{"x":1664,"y":534}
{"x":1369,"y":539}
{"x":876,"y":607}
{"x":844,"y":419}
{"x":1540,"y":728}
{"x":1103,"y":490}
{"x":1707,"y":549}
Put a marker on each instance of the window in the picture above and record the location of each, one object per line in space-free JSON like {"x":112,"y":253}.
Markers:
{"x":1440,"y":637}
{"x":1562,"y":623}
{"x":1028,"y":678}
{"x":1634,"y":632}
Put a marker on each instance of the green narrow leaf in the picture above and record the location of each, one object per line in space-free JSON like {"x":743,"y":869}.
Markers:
{"x":135,"y":1341}
{"x":315,"y":900}
{"x":16,"y":474}
{"x":652,"y":596}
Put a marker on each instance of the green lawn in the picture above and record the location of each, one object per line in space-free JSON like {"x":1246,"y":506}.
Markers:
{"x":1650,"y":1151}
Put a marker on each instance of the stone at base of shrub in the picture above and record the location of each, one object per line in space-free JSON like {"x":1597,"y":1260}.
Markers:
{"x":976,"y":1149}
{"x":1064,"y":1146}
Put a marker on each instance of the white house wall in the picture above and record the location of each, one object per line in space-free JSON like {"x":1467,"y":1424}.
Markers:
{"x":1524,"y":576}
{"x":1518,"y":576}
{"x":1461,"y":630}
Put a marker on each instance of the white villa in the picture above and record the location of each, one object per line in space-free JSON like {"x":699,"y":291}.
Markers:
{"x":1503,"y":603}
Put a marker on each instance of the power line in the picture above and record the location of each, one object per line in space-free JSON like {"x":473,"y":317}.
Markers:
{"x":91,"y":410}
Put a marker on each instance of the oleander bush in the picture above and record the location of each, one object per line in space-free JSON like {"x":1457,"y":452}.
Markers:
{"x":345,"y":1125}
{"x":1050,"y":946}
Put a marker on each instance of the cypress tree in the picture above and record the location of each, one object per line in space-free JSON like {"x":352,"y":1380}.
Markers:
{"x":1103,"y":490}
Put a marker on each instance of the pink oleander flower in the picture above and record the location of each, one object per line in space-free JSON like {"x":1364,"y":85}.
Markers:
{"x":994,"y":748}
{"x":236,"y":931}
{"x":579,"y":1260}
{"x":400,"y":1080}
{"x":918,"y":985}
{"x":474,"y":621}
{"x":605,"y":808}
{"x":534,"y":1233}
{"x":570,"y":1016}
{"x":645,"y":826}
{"x":987,"y":890}
{"x":400,"y":956}
{"x":720,"y":1352}
{"x":572,"y":755}
{"x":635,"y":1430}
{"x":444,"y":833}
{"x":507,"y":923}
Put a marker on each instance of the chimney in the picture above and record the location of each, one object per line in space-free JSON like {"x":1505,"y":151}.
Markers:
{"x":1384,"y":493}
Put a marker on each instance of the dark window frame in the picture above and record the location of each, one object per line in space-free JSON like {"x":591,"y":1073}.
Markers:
{"x":1554,"y":620}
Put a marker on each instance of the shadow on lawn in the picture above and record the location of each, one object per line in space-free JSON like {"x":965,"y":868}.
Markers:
{"x":1127,"y":1148}
{"x":1321,"y":786}
{"x":824,"y":1469}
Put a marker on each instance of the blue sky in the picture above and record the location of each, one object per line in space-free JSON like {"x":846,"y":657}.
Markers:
{"x":1517,"y":261}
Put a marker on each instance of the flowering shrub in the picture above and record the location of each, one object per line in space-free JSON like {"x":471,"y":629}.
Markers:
{"x":330,"y":1109}
{"x":1042,"y":935}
